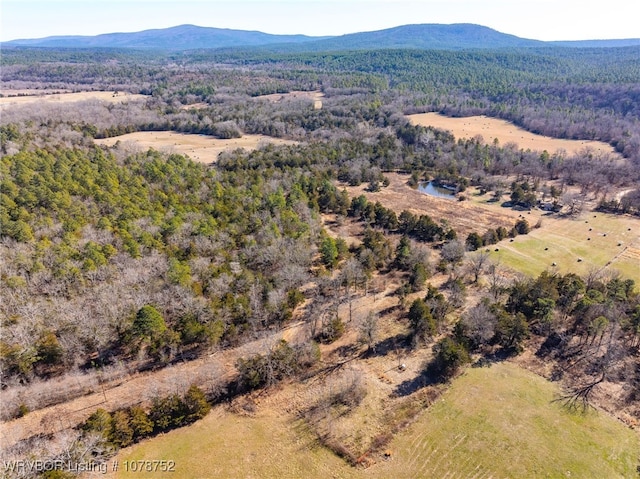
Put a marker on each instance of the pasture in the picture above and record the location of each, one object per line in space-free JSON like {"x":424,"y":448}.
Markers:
{"x":501,"y":421}
{"x":200,"y":148}
{"x":292,"y":95}
{"x":593,"y":241}
{"x":313,"y":96}
{"x":506,"y":132}
{"x":10,"y":97}
{"x":223,"y":444}
{"x":498,"y":421}
{"x":463,"y":216}
{"x":602,"y":241}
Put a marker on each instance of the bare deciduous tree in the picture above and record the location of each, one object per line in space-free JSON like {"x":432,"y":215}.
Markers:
{"x":480,"y":323}
{"x":369,"y":331}
{"x":497,"y":280}
{"x":477,"y":263}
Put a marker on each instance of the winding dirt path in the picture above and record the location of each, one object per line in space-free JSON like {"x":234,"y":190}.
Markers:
{"x":206,"y":372}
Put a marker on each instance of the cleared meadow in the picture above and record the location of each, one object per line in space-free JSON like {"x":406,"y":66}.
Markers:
{"x":501,"y":421}
{"x":200,"y":148}
{"x":497,"y":421}
{"x":59,"y":98}
{"x":506,"y":132}
{"x":594,"y":241}
{"x":464,"y":216}
{"x":293,"y":95}
{"x":601,"y":241}
{"x":591,"y":241}
{"x":228,"y":445}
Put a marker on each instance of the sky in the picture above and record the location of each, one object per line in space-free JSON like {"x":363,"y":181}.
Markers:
{"x":534,"y":19}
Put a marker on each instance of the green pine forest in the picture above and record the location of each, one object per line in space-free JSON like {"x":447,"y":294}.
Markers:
{"x":115,"y":261}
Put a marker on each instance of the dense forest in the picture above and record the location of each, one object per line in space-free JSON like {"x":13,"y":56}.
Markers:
{"x":566,"y":93}
{"x":116,"y":260}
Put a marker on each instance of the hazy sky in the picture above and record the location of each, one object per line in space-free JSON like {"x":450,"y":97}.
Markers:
{"x":536,"y":19}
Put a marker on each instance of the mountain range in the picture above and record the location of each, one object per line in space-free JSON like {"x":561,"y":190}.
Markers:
{"x":423,"y":36}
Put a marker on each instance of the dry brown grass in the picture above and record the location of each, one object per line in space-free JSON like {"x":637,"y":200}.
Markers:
{"x":37,"y":96}
{"x":6,"y":92}
{"x":602,"y":241}
{"x":195,"y":106}
{"x":208,"y":372}
{"x":493,"y":422}
{"x":505,"y":132}
{"x":314,"y":96}
{"x":293,"y":95}
{"x":463,"y":216}
{"x":200,"y":148}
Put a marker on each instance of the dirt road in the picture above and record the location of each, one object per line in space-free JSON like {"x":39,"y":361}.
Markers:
{"x":206,"y":372}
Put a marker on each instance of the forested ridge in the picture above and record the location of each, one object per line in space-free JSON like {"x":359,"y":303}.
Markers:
{"x":416,"y":36}
{"x":565,"y":93}
{"x":120,"y":260}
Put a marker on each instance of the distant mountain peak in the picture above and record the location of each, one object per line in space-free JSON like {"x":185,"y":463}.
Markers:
{"x":416,"y":36}
{"x":179,"y":37}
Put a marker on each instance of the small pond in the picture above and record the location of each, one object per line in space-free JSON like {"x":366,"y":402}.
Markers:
{"x":439,"y":191}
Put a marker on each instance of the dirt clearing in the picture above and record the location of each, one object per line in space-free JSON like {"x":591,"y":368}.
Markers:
{"x":139,"y":388}
{"x":506,"y":132}
{"x":200,"y":148}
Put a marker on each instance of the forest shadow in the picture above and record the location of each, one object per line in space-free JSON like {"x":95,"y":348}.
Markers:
{"x":487,"y":360}
{"x":399,"y":343}
{"x":410,"y":386}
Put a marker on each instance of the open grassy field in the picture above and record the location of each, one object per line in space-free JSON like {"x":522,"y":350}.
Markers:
{"x":200,"y":148}
{"x":592,"y":241}
{"x":498,"y":421}
{"x":5,"y":92}
{"x":227,"y":445}
{"x":463,"y":216}
{"x":505,"y":132}
{"x":292,"y":95}
{"x":9,"y":99}
{"x":315,"y":96}
{"x":613,"y":243}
